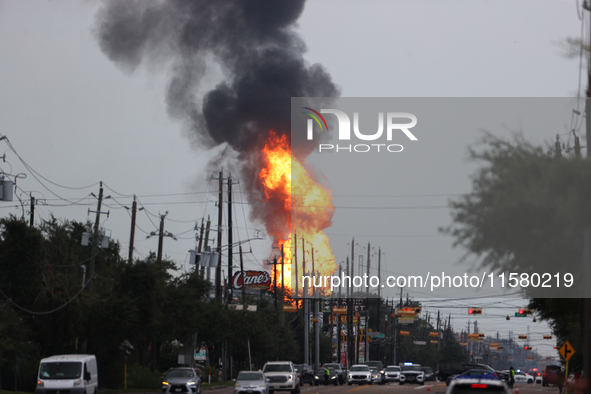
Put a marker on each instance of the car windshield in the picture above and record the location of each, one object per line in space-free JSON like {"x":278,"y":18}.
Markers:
{"x":250,"y":376}
{"x":333,"y":366}
{"x":61,"y":370}
{"x":277,"y":368}
{"x":392,"y":369}
{"x":474,"y":372}
{"x":321,"y":371}
{"x":360,"y":368}
{"x":180,"y":373}
{"x":298,"y":367}
{"x":411,"y":368}
{"x":373,"y":369}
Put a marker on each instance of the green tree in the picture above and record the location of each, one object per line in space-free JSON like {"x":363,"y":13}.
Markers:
{"x":527,"y":212}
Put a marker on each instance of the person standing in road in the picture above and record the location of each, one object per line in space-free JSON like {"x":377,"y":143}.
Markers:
{"x":326,"y":375}
{"x":512,"y":380}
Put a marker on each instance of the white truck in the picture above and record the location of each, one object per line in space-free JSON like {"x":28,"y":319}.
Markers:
{"x":282,"y":376}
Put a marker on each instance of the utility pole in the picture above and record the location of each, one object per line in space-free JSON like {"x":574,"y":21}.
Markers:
{"x":132,"y":233}
{"x":316,"y":326}
{"x":230,"y":239}
{"x":275,"y":282}
{"x":379,"y":296}
{"x":32,"y":212}
{"x":367,"y":303}
{"x":200,"y":246}
{"x":206,"y":248}
{"x":306,"y":314}
{"x":282,"y":275}
{"x":242,"y":273}
{"x":295,"y":250}
{"x":161,"y":238}
{"x":95,"y":235}
{"x":218,"y":271}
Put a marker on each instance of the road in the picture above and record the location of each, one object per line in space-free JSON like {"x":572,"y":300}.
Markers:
{"x":395,"y":388}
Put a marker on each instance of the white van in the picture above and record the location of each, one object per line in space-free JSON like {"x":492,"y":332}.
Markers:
{"x":68,"y":374}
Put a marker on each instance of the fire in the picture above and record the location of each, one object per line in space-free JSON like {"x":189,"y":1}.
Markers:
{"x":306,"y":210}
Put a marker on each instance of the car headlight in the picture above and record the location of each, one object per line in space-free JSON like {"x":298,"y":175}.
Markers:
{"x":236,"y":385}
{"x":165,"y":383}
{"x":290,"y":377}
{"x":191,"y":384}
{"x":315,"y":377}
{"x":77,"y":382}
{"x":333,"y":377}
{"x":40,"y":383}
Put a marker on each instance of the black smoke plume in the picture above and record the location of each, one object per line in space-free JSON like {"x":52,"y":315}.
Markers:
{"x":253,"y":42}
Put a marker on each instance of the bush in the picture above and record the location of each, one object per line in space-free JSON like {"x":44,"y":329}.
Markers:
{"x":140,"y":377}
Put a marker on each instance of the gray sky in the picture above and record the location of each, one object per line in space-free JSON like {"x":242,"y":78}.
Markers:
{"x":77,"y":119}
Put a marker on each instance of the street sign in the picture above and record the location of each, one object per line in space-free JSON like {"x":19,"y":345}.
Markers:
{"x":377,"y":334}
{"x":566,"y":351}
{"x":434,"y":333}
{"x":406,"y":320}
{"x":434,"y":341}
{"x":420,"y":342}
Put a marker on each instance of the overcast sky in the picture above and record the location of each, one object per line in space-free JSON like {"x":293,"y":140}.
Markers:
{"x":77,"y":119}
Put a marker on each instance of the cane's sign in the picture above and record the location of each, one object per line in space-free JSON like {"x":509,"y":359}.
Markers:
{"x":252,"y":280}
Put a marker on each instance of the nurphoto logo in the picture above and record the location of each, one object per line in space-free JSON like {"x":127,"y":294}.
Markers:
{"x":393,"y":125}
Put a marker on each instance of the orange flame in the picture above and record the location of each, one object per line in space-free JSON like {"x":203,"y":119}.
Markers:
{"x":307,"y":210}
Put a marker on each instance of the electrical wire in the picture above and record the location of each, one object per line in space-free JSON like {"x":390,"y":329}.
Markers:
{"x":53,"y":310}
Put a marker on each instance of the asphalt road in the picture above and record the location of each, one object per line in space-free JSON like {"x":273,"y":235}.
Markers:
{"x":394,"y":388}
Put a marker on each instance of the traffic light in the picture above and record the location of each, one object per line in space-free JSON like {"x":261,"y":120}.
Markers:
{"x":508,"y":318}
{"x":475,"y":311}
{"x":527,"y":348}
{"x":547,"y":336}
{"x":480,"y":335}
{"x":522,"y":336}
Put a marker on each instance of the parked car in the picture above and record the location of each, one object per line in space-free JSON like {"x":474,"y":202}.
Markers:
{"x":251,"y":382}
{"x":282,"y":376}
{"x":340,"y":370}
{"x":359,"y":374}
{"x":181,"y":380}
{"x":319,"y":377}
{"x":522,"y":377}
{"x":305,"y":373}
{"x":392,"y":373}
{"x":72,"y":373}
{"x":429,"y":374}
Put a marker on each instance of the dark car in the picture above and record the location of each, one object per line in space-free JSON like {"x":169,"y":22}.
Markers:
{"x":181,"y":380}
{"x":429,"y":374}
{"x":319,"y":377}
{"x":340,"y":370}
{"x":305,"y":373}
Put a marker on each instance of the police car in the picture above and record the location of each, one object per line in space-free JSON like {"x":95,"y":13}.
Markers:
{"x":411,"y":373}
{"x":477,"y":384}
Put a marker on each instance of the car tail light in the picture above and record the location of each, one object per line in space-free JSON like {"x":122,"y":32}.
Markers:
{"x":479,"y":386}
{"x":495,"y":375}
